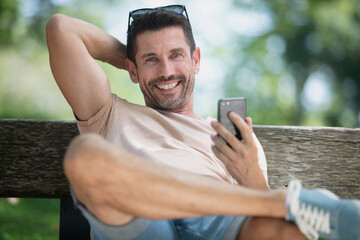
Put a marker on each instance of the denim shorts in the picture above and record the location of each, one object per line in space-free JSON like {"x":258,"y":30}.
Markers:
{"x":199,"y":228}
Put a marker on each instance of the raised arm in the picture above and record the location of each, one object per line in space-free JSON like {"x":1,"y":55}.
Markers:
{"x":74,"y":45}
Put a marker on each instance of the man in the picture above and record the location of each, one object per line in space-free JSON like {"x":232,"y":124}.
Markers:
{"x":163,"y":172}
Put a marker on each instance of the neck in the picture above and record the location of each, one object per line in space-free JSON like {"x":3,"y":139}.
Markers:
{"x":191,"y":113}
{"x":186,"y":109}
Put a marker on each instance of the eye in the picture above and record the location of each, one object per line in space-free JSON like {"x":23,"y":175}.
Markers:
{"x":176,"y":55}
{"x":151,"y":59}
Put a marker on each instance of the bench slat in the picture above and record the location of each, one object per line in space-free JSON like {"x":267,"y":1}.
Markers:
{"x":321,"y":157}
{"x":31,"y":153}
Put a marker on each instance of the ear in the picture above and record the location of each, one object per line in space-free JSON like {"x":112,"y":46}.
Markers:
{"x":131,"y":68}
{"x":196,"y":60}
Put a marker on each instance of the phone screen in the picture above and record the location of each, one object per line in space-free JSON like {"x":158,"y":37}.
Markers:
{"x":227,"y":105}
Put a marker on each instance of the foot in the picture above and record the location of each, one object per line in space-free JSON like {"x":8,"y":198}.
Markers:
{"x":320,"y":214}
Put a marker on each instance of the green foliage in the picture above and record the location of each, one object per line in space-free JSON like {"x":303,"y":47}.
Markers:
{"x":308,"y":38}
{"x":9,"y":15}
{"x":27,"y":87}
{"x":272,"y":69}
{"x":29,"y":219}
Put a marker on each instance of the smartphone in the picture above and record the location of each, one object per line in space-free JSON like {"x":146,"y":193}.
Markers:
{"x":227,"y":105}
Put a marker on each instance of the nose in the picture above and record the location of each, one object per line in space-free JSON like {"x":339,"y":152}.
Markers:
{"x":166,"y":68}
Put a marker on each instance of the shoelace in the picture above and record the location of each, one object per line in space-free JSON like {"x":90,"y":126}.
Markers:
{"x":309,"y":220}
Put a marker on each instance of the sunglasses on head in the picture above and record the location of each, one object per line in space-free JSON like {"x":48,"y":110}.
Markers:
{"x":179,"y":9}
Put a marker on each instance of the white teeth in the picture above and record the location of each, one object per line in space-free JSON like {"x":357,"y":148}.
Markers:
{"x":167,"y":86}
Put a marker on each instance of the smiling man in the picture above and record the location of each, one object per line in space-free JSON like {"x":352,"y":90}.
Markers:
{"x":161,"y":54}
{"x":160,"y":171}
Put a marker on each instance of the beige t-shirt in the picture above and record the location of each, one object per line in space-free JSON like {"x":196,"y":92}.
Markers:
{"x":164,"y":137}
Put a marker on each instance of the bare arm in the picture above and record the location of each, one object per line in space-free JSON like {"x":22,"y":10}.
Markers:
{"x":73,"y":47}
{"x":116,"y":185}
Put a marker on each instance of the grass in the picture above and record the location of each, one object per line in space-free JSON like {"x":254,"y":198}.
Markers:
{"x":30,"y":219}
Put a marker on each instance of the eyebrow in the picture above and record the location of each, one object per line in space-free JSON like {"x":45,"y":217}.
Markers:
{"x":177,"y":50}
{"x":145,"y":55}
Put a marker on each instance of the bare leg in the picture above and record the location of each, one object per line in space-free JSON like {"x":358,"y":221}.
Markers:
{"x":116,"y":185}
{"x":265,"y":228}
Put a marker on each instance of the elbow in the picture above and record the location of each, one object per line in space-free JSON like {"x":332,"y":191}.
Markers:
{"x":55,"y":25}
{"x":54,"y":22}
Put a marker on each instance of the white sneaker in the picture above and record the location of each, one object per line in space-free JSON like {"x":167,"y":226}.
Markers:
{"x":320,"y":214}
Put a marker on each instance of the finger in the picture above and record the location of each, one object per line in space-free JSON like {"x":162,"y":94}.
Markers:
{"x":248,"y":121}
{"x":225,"y":134}
{"x":213,"y":137}
{"x":245,"y":130}
{"x":223,"y":147}
{"x":221,"y":156}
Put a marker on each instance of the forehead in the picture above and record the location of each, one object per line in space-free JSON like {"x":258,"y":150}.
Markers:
{"x":158,"y":41}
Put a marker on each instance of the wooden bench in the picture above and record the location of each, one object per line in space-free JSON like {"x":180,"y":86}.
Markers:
{"x":31,"y":155}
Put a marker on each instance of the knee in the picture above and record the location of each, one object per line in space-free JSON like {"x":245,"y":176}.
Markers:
{"x":256,"y":228}
{"x":81,"y":145}
{"x":78,"y":154}
{"x":268,"y":228}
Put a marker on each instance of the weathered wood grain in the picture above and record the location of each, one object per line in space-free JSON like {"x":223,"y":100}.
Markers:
{"x":31,"y":154}
{"x":321,"y":157}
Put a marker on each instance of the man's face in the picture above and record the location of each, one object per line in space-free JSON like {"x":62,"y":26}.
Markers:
{"x":165,"y":68}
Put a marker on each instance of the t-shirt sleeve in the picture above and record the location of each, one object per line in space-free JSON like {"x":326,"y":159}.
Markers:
{"x":97,"y":123}
{"x":261,"y":158}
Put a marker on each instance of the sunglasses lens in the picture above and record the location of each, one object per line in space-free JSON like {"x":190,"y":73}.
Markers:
{"x":137,"y":13}
{"x":179,"y":9}
{"x":176,"y":9}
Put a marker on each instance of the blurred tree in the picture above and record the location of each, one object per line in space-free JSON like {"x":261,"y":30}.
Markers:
{"x":9,"y":15}
{"x":15,"y":25}
{"x":305,"y":68}
{"x":300,"y":69}
{"x":27,"y":88}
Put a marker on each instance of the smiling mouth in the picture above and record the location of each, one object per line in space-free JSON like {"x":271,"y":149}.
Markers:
{"x":167,"y":86}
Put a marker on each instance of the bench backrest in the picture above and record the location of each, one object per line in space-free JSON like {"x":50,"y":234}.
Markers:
{"x":31,"y":154}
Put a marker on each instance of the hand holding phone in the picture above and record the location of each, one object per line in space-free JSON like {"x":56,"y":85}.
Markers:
{"x":227,"y":105}
{"x":240,"y":158}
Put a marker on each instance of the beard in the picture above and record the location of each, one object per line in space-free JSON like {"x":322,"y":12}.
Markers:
{"x":167,"y":101}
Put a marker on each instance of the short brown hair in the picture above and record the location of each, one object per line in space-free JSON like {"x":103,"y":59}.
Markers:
{"x":157,"y":20}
